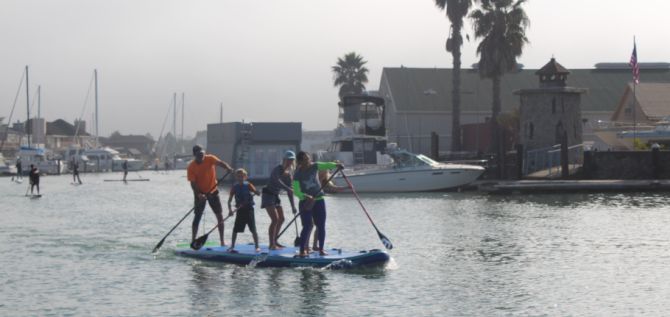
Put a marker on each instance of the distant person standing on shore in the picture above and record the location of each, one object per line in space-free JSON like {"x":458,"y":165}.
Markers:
{"x":201,"y":173}
{"x":75,"y":171}
{"x":125,"y":169}
{"x":34,"y":177}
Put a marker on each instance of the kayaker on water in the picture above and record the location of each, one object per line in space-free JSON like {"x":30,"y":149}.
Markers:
{"x":34,"y":177}
{"x":201,"y":173}
{"x":243,"y":192}
{"x":280,"y":179}
{"x":307,"y":187}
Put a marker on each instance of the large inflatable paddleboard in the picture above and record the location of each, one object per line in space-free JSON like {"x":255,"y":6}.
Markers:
{"x":287,"y":257}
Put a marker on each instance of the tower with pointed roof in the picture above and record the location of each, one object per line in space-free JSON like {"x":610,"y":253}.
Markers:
{"x":551,"y":111}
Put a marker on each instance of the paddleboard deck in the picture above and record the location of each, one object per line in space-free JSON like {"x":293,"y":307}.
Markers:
{"x":127,"y":180}
{"x":287,"y":257}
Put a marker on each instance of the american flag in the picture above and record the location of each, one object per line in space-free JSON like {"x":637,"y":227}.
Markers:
{"x":634,"y":65}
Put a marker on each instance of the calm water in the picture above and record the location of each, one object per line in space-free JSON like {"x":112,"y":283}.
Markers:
{"x":85,"y":251}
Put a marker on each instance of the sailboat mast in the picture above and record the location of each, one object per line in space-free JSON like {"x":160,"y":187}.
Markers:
{"x":27,"y":106}
{"x":182,"y":117}
{"x":97,"y":132}
{"x":174,"y":121}
{"x":39,"y":101}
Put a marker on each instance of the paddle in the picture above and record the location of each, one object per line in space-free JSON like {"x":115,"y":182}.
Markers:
{"x":296,"y":242}
{"x":200,"y":241}
{"x":387,"y":243}
{"x":160,"y":243}
{"x":298,"y":214}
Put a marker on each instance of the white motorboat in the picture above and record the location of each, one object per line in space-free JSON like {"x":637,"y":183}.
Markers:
{"x":108,"y":159}
{"x":40,"y":158}
{"x":360,"y":137}
{"x":411,"y":173}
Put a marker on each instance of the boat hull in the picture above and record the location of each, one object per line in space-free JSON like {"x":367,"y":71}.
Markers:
{"x":286,"y":257}
{"x":412,"y":180}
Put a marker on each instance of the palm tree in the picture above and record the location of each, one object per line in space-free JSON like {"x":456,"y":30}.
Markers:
{"x":456,"y":11}
{"x":501,"y":24}
{"x":350,"y":74}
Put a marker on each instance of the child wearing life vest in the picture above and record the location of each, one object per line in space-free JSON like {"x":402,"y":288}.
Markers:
{"x":243,"y":192}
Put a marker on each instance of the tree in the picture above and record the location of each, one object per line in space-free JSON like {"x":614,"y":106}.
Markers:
{"x":457,"y":10}
{"x":350,"y":74}
{"x":501,"y":25}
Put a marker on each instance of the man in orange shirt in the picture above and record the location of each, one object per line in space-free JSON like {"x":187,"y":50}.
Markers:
{"x":201,"y":173}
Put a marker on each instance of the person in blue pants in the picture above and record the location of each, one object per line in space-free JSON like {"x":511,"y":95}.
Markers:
{"x":307,"y":187}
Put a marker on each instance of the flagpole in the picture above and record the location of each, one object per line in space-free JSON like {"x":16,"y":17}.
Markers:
{"x":634,"y":121}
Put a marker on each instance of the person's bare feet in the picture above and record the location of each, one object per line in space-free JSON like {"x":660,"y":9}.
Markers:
{"x":321,"y":252}
{"x":303,"y":254}
{"x":232,"y":250}
{"x":258,"y":250}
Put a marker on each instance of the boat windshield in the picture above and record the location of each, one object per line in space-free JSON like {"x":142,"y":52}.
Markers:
{"x":406,"y":159}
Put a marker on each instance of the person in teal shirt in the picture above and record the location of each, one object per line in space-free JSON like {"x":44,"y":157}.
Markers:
{"x":308,"y":189}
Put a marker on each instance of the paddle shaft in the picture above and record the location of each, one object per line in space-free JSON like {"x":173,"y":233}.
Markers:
{"x":160,"y":243}
{"x":222,"y":221}
{"x":385,"y":241}
{"x":351,"y":186}
{"x":300,"y":212}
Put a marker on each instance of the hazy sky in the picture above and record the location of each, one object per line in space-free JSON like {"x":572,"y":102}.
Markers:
{"x":269,"y":60}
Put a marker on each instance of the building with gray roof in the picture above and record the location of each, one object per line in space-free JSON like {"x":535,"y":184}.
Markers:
{"x":419,"y":99}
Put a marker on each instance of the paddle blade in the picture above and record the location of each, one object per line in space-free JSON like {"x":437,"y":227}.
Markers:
{"x":199,"y":242}
{"x":387,"y":243}
{"x":158,"y":246}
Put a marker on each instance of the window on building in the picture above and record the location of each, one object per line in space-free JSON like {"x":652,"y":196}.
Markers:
{"x":553,"y":105}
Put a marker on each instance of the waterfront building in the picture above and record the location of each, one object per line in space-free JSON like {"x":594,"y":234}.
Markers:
{"x":551,"y":112}
{"x":418,"y":100}
{"x":257,"y":146}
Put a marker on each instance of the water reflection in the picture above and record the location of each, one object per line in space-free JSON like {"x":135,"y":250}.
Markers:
{"x":207,"y":289}
{"x":313,"y":286}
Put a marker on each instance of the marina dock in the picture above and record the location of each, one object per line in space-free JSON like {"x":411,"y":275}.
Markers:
{"x":572,"y":186}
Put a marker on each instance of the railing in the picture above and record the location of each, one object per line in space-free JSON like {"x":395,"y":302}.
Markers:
{"x":549,"y":159}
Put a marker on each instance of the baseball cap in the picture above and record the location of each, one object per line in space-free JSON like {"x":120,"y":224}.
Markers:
{"x":289,"y":155}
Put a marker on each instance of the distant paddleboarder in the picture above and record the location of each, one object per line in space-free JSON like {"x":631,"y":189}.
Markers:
{"x":19,"y":169}
{"x":201,"y":173}
{"x":125,"y":169}
{"x":34,"y":177}
{"x":75,"y":171}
